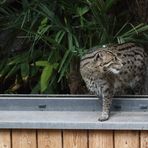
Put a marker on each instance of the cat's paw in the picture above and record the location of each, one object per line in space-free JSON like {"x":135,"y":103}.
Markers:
{"x":104,"y":117}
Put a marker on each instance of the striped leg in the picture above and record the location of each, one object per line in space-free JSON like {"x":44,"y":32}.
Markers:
{"x":107,"y":101}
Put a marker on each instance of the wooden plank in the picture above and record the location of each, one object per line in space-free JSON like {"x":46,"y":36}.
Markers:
{"x":24,"y":139}
{"x":49,"y":139}
{"x":74,"y":139}
{"x":100,"y":139}
{"x":5,"y":139}
{"x":144,"y":139}
{"x":126,"y":139}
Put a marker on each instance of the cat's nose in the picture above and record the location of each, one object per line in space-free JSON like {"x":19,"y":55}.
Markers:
{"x":105,"y":69}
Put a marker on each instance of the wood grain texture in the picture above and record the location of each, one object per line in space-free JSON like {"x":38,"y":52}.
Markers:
{"x":24,"y":139}
{"x":5,"y":139}
{"x":126,"y":139}
{"x":49,"y":139}
{"x":100,"y":139}
{"x":144,"y":139}
{"x":74,"y":139}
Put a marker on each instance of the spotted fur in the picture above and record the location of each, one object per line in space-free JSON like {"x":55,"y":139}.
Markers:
{"x":113,"y":70}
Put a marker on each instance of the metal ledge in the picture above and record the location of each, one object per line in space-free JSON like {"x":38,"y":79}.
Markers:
{"x":71,"y":112}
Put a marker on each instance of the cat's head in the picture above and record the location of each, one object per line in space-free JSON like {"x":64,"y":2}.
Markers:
{"x":103,"y":61}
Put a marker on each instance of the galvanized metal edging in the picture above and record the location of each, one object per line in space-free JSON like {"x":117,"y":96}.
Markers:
{"x":71,"y":112}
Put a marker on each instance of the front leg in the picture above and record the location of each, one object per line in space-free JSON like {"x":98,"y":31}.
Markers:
{"x":107,"y":101}
{"x":105,"y":109}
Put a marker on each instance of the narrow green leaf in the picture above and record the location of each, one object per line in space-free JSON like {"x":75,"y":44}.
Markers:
{"x":120,"y":30}
{"x":59,"y":36}
{"x":12,"y":71}
{"x":45,"y":76}
{"x":44,"y":21}
{"x":36,"y":89}
{"x":24,"y":20}
{"x":25,"y":71}
{"x":2,"y":2}
{"x":76,"y":41}
{"x":5,"y":70}
{"x":42,"y":63}
{"x":18,"y":59}
{"x":82,"y":11}
{"x":65,"y":67}
{"x":64,"y":60}
{"x":41,"y":32}
{"x":55,"y":65}
{"x":70,"y":41}
{"x":109,"y":4}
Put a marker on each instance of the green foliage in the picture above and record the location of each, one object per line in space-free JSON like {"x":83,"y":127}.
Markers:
{"x":52,"y":33}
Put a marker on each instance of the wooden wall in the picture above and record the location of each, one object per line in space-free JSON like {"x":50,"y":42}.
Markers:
{"x":73,"y":139}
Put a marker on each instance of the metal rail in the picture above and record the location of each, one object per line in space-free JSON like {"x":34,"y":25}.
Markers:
{"x":70,"y":103}
{"x":71,"y":112}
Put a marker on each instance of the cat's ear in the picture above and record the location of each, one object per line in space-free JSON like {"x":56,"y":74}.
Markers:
{"x":98,"y":57}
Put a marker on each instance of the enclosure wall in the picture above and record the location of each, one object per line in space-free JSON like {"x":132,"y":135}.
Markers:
{"x":73,"y":139}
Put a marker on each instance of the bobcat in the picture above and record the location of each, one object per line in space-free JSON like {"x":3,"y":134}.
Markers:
{"x":112,"y":70}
